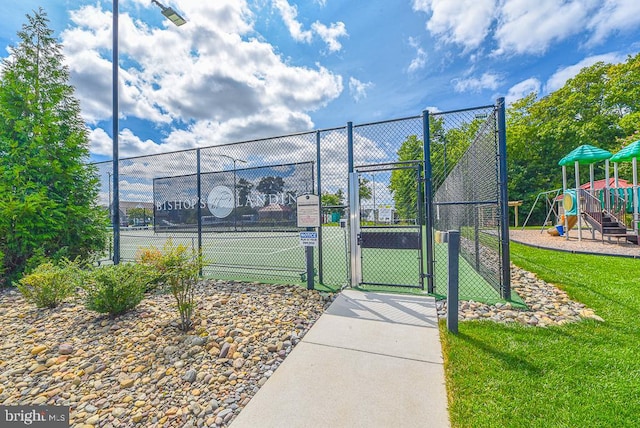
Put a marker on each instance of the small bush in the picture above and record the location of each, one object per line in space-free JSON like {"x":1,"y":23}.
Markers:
{"x":115,"y":289}
{"x":150,"y":258}
{"x":179,"y":268}
{"x":49,"y":284}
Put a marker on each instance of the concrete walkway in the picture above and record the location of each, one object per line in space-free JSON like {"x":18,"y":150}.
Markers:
{"x":371,"y":360}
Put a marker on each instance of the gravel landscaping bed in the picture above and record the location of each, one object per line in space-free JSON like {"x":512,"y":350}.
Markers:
{"x":139,"y":368}
{"x":547,"y":305}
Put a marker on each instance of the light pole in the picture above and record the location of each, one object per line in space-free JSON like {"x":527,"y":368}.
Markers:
{"x":375,"y":214}
{"x":235,"y":197}
{"x":109,"y":203}
{"x":173,"y":16}
{"x":442,"y":140}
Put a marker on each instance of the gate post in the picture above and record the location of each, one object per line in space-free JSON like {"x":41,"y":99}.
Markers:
{"x":354,"y":214}
{"x":319,"y":186}
{"x":428,"y":199}
{"x":199,"y":209}
{"x":453,"y":247}
{"x":504,"y":201}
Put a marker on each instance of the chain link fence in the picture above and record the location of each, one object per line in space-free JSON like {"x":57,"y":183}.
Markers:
{"x":467,"y":181}
{"x":236,"y":203}
{"x":387,"y":162}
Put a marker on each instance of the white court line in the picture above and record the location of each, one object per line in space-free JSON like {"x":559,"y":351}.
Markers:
{"x":244,"y":253}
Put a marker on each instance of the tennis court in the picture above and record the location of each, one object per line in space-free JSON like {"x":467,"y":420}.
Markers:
{"x":278,"y":257}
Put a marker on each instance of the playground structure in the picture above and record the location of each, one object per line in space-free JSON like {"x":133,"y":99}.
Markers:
{"x":608,"y":206}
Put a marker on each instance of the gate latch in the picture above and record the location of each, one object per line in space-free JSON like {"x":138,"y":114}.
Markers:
{"x":359,"y":239}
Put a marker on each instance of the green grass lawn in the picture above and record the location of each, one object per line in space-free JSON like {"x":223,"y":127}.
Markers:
{"x":580,"y":375}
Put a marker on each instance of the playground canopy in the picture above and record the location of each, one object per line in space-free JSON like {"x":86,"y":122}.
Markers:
{"x":628,"y":153}
{"x":585,"y":155}
{"x":631,"y":153}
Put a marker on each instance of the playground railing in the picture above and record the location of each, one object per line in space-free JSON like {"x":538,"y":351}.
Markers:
{"x":618,"y":206}
{"x":591,"y":205}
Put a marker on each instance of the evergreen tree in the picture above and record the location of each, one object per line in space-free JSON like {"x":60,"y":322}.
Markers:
{"x":48,"y":193}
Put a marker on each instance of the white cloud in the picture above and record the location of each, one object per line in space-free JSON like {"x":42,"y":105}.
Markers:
{"x":128,"y":144}
{"x":101,"y":143}
{"x":420,"y":61}
{"x":614,"y":16}
{"x":560,"y":77}
{"x":530,"y":27}
{"x":477,"y":84}
{"x":209,"y":75}
{"x":335,"y":163}
{"x":289,"y":16}
{"x":522,"y":89}
{"x":524,"y":26}
{"x":463,"y":22}
{"x":328,"y":34}
{"x":358,"y":89}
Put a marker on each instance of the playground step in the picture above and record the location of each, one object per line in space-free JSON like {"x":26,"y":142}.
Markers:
{"x":632,"y":238}
{"x":614,"y":228}
{"x":613,"y":232}
{"x":606,"y":224}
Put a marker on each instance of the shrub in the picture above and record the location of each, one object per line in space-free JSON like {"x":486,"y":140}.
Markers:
{"x":49,"y":284}
{"x":150,"y":258}
{"x":179,"y":268}
{"x":115,"y":289}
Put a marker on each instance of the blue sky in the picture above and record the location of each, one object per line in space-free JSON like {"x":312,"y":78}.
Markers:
{"x":257,"y":68}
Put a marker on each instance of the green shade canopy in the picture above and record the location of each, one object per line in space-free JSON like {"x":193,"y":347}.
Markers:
{"x":585,"y":155}
{"x":627,"y":154}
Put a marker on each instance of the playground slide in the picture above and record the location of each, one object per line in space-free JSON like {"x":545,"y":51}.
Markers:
{"x":571,"y":221}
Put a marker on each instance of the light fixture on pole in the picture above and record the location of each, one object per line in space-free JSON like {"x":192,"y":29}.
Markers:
{"x":170,"y":14}
{"x":174,"y":17}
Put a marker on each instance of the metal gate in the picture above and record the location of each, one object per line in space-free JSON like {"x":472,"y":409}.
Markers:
{"x":387,"y":250}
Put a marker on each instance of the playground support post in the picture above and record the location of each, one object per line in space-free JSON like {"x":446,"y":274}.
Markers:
{"x":634,"y":164}
{"x":576,"y":166}
{"x":607,"y":191}
{"x":592,"y":180}
{"x":564,"y":190}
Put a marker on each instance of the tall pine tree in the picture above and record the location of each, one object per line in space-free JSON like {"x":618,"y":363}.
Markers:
{"x":48,"y":192}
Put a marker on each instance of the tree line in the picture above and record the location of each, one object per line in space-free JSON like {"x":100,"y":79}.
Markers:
{"x":600,"y":106}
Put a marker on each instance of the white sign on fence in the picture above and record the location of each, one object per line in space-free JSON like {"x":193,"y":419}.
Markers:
{"x":309,"y":239}
{"x":308,"y":207}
